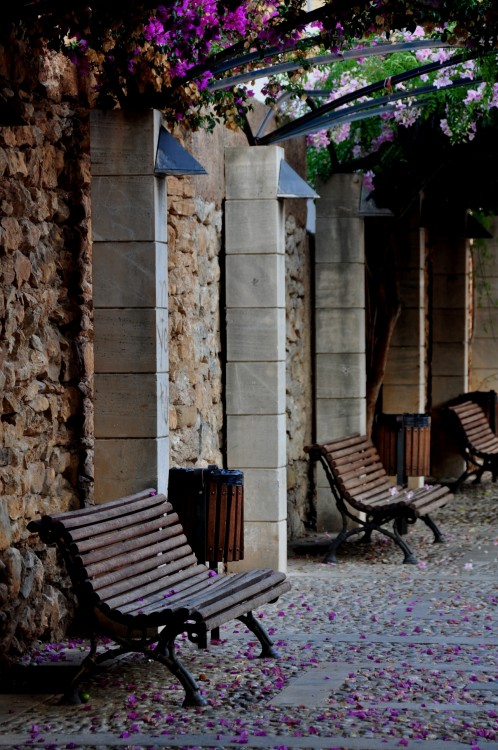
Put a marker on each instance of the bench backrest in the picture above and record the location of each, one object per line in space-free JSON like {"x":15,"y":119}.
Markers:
{"x":356,"y":467}
{"x":478,"y":435}
{"x":121,"y":551}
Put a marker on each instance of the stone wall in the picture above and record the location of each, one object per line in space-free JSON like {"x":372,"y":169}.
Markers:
{"x":299,"y":376}
{"x":46,"y":424}
{"x":196,"y":407}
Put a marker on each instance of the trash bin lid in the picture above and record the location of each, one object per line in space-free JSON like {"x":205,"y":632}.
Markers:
{"x":227,"y":476}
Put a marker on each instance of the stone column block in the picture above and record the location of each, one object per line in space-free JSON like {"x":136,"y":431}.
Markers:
{"x":124,"y":466}
{"x":340,"y":330}
{"x":340,"y":375}
{"x":255,"y":388}
{"x":128,"y":209}
{"x":124,"y":142}
{"x":255,"y":335}
{"x":252,"y":173}
{"x":131,"y":340}
{"x":265,"y":544}
{"x":260,"y":486}
{"x":130,"y":274}
{"x":255,"y":280}
{"x":256,"y":441}
{"x":254,"y":227}
{"x":338,"y":417}
{"x":339,"y":240}
{"x":338,"y":285}
{"x":131,"y":405}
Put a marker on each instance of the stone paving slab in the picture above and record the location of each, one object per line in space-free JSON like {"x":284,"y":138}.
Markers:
{"x":350,"y":635}
{"x":97,"y":740}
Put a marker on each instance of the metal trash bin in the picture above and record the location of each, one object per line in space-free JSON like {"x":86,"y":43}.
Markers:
{"x":210,"y":506}
{"x":403,"y":442}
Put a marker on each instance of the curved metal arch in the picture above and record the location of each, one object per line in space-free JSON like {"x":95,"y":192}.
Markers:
{"x":381,"y":105}
{"x":353,"y":54}
{"x":289,"y":129}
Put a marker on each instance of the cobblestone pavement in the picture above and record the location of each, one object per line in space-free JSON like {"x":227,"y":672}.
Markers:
{"x":374,"y":654}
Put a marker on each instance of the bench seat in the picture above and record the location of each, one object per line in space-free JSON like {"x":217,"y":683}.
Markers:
{"x":365,"y":495}
{"x":138,"y":582}
{"x":478,"y":442}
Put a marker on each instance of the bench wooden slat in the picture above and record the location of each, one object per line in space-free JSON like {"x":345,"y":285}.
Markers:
{"x":180,"y":584}
{"x":238,"y":594}
{"x":160,"y":547}
{"x":94,"y":529}
{"x":124,"y":590}
{"x":156,"y":602}
{"x":354,"y":456}
{"x":258,"y":601}
{"x":130,"y":532}
{"x":124,"y":507}
{"x":132,"y":548}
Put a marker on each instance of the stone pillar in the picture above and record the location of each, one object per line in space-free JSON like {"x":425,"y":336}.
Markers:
{"x":255,"y":343}
{"x":450,"y":337}
{"x":484,"y":373}
{"x":405,"y":382}
{"x":131,"y":298}
{"x":340,"y":323}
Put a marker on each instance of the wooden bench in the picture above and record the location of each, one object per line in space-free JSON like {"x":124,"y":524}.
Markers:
{"x":138,"y":582}
{"x":478,"y":442}
{"x":364,"y":494}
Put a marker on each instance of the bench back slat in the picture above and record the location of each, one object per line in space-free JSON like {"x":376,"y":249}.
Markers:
{"x":164,"y":542}
{"x":478,"y":435}
{"x":139,"y":586}
{"x":110,"y":509}
{"x":130,"y":532}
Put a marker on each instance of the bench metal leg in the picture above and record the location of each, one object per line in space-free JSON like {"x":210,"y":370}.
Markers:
{"x":409,"y":557}
{"x":438,"y":536}
{"x":267,"y":648}
{"x":341,"y":537}
{"x":88,"y":665}
{"x":165,"y":653}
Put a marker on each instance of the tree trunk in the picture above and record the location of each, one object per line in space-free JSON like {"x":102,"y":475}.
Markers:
{"x":383,"y":308}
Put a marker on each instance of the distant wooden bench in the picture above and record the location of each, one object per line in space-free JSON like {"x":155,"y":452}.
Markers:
{"x":139,"y":583}
{"x":364,"y":494}
{"x":478,"y":442}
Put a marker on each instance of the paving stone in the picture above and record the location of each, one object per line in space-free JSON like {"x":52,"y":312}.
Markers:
{"x":374,"y":655}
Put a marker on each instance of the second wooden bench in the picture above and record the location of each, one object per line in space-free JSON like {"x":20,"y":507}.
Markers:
{"x":365,"y":496}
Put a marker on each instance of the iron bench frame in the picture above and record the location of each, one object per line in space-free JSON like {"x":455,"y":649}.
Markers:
{"x":138,"y":582}
{"x":359,"y":483}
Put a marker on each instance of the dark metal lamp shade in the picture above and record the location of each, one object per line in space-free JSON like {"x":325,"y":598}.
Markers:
{"x":291,"y":185}
{"x":172,"y":158}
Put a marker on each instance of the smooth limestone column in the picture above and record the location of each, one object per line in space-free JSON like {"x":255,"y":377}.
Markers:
{"x":340,"y":323}
{"x":484,"y":372}
{"x":405,"y":383}
{"x":131,"y":298}
{"x":450,"y":345}
{"x":256,"y":335}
